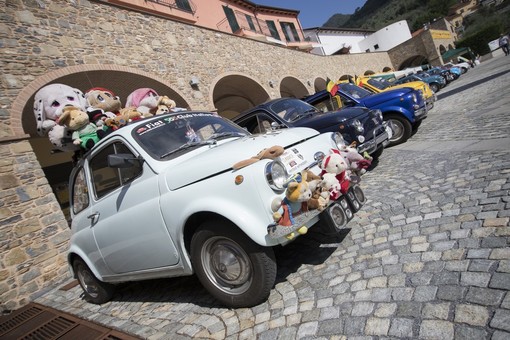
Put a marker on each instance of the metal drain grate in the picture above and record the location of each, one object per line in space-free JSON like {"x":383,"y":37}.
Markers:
{"x":38,"y":322}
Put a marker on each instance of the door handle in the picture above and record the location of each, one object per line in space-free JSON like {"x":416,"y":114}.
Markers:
{"x":94,"y":217}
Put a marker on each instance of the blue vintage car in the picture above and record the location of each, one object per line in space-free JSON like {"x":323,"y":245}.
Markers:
{"x":403,"y":108}
{"x":357,"y":124}
{"x":435,"y":82}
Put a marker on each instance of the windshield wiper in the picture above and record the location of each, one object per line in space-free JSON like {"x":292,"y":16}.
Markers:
{"x":219,"y":135}
{"x":307,"y":113}
{"x":187,"y":146}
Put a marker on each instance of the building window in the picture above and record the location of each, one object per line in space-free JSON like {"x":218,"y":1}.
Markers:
{"x":184,"y":5}
{"x":249,"y":19}
{"x":290,"y":32}
{"x":231,"y":17}
{"x":376,"y":46}
{"x":272,"y":29}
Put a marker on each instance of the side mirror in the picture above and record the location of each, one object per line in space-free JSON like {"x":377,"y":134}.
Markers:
{"x":123,"y":160}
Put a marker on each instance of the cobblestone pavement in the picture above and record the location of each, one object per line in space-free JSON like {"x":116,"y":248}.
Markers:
{"x":427,"y":257}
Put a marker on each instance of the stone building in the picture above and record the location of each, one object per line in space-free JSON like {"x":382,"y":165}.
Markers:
{"x":87,"y":44}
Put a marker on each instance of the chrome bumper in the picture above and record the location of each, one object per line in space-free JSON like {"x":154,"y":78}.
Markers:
{"x":374,"y":143}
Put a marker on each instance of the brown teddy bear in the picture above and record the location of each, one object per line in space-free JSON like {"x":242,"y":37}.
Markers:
{"x":268,"y":153}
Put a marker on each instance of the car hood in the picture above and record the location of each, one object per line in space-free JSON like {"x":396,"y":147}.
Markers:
{"x":379,"y":98}
{"x":327,"y":121}
{"x":212,"y":160}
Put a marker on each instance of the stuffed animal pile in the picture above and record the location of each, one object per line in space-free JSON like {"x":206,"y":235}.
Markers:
{"x":57,"y":106}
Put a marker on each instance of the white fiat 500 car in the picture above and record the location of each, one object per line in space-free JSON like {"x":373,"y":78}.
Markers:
{"x":160,"y":198}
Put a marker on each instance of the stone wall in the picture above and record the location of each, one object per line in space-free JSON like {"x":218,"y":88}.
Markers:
{"x":37,"y":41}
{"x":33,"y":231}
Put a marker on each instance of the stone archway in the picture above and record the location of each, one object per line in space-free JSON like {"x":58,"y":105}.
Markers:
{"x":56,"y":164}
{"x":292,"y":87}
{"x":417,"y":60}
{"x":233,"y":94}
{"x":319,"y":84}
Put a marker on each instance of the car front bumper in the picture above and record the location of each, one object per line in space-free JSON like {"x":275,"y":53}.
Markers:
{"x":376,"y":142}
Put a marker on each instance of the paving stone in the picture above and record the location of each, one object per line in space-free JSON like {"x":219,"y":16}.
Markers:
{"x":484,"y":296}
{"x":451,"y":293}
{"x":475,"y":279}
{"x":500,"y":335}
{"x":471,"y":315}
{"x":500,"y":254}
{"x":478,"y":253}
{"x":354,"y":326}
{"x":446,"y":278}
{"x":401,"y":328}
{"x":425,"y":293}
{"x":377,"y":326}
{"x":500,"y":280}
{"x":384,"y":310}
{"x":501,"y":320}
{"x":409,"y":309}
{"x":363,"y":309}
{"x":436,"y":311}
{"x":463,"y":332}
{"x":482,"y":265}
{"x":435,"y":329}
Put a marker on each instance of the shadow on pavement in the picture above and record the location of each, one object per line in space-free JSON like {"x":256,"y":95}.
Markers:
{"x":470,"y":85}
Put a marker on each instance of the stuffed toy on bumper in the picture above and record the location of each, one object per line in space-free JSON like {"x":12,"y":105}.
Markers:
{"x":84,"y":132}
{"x":48,"y":104}
{"x":335,"y":163}
{"x":297,"y":195}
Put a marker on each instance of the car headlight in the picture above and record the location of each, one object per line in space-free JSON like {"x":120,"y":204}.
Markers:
{"x":378,"y":114}
{"x":338,"y":139}
{"x":415,"y":99}
{"x":276,"y":175}
{"x":358,"y":126}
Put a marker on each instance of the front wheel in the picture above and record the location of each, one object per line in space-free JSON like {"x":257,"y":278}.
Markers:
{"x":434,"y":87}
{"x":402,"y":128}
{"x":234,"y":269}
{"x":96,"y":291}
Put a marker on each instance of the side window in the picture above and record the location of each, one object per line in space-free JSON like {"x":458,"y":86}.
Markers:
{"x":329,"y":103}
{"x":264,"y":123}
{"x":107,"y":179}
{"x":80,"y":195}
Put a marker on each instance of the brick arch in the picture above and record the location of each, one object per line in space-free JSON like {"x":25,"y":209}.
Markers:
{"x":21,"y":113}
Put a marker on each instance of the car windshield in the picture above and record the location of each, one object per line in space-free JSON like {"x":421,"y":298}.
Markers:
{"x":291,"y":109}
{"x":168,"y":136}
{"x":354,"y":91}
{"x":380,"y":84}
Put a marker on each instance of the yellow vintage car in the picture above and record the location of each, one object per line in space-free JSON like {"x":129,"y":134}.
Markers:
{"x":376,"y":83}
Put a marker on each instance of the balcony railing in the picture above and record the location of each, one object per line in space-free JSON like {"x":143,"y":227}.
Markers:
{"x":182,"y":5}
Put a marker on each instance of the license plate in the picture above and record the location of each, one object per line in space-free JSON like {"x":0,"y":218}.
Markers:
{"x":292,"y":160}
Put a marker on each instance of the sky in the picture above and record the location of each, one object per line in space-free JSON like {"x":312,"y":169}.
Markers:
{"x":314,"y":13}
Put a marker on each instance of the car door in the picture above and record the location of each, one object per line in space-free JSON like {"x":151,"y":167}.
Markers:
{"x":125,"y":214}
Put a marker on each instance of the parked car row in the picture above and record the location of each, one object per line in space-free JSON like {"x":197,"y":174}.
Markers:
{"x":191,"y":192}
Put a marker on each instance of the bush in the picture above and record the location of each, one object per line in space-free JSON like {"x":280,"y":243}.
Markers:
{"x":479,"y":41}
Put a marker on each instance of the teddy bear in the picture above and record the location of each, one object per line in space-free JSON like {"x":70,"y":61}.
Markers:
{"x":320,"y":198}
{"x":48,"y":104}
{"x":101,"y":104}
{"x":148,"y":102}
{"x":355,"y":161}
{"x":331,"y":184}
{"x":84,"y":132}
{"x":335,"y":163}
{"x":297,"y":194}
{"x":267,"y":153}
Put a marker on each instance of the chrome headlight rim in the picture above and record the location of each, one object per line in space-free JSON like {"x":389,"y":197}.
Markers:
{"x":276,"y":176}
{"x":338,"y":139}
{"x":356,"y":123}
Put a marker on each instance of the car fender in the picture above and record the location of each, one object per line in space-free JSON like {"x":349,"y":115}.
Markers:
{"x":76,"y":251}
{"x":400,"y":110}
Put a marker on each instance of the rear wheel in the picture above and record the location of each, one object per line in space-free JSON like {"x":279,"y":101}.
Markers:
{"x":402,"y":128}
{"x":234,"y":269}
{"x":96,"y":291}
{"x":434,"y":87}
